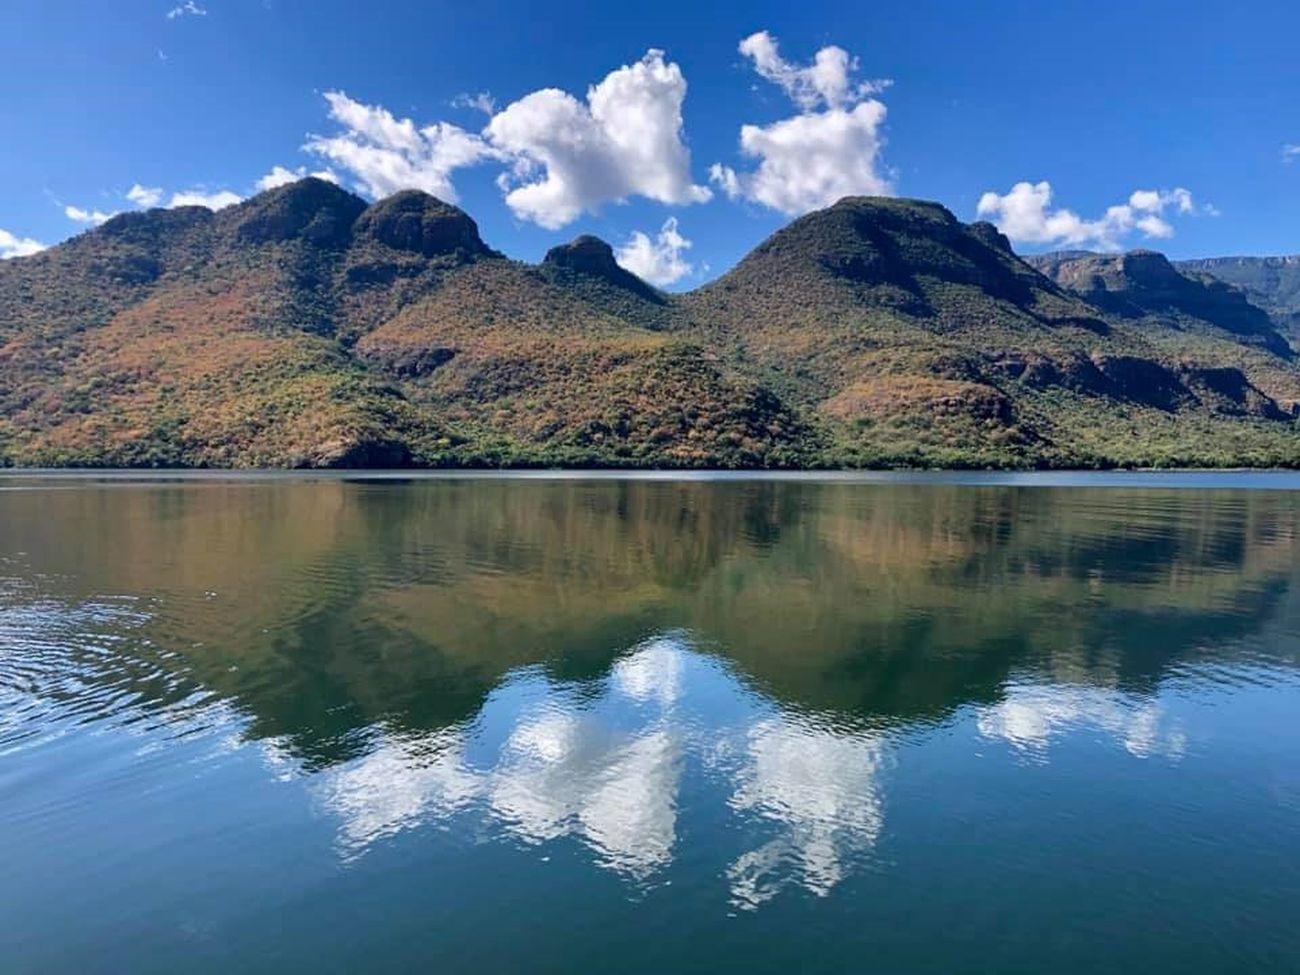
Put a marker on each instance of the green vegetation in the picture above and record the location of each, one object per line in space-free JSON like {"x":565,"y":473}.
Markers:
{"x":303,"y":328}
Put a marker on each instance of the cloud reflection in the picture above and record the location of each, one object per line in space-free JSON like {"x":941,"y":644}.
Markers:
{"x":1031,"y":717}
{"x":603,"y":762}
{"x":603,"y":768}
{"x":822,"y":785}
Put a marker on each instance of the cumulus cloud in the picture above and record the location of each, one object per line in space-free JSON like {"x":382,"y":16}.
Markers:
{"x":625,"y":140}
{"x":810,"y":161}
{"x":213,"y":200}
{"x":564,"y":156}
{"x":828,"y":80}
{"x":92,"y":217}
{"x":386,"y":154}
{"x":1025,"y":214}
{"x":659,"y":260}
{"x":1290,"y":152}
{"x":12,"y":245}
{"x":145,"y":196}
{"x":187,"y":9}
{"x":831,"y":149}
{"x":282,"y":176}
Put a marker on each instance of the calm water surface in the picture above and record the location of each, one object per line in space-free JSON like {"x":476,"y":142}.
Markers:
{"x":536,"y":725}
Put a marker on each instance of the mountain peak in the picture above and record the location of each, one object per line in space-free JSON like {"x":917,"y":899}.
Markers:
{"x":312,"y":209}
{"x":896,"y":205}
{"x":147,"y":223}
{"x":860,"y":236}
{"x":1147,"y":262}
{"x":415,"y":221}
{"x":592,"y":256}
{"x":888,"y":243}
{"x":586,"y":253}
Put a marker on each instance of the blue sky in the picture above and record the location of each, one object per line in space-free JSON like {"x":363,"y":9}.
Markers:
{"x":1154,"y":124}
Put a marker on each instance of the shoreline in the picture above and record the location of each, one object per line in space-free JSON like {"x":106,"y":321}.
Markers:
{"x":1188,"y":478}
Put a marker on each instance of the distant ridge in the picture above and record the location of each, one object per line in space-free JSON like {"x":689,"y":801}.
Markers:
{"x":1272,"y":283}
{"x":1144,"y":283}
{"x":307,"y":327}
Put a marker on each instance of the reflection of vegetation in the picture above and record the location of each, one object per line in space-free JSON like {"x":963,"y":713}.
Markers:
{"x":325,"y":607}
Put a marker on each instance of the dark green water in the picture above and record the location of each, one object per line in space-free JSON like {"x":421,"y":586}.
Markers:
{"x":525,"y":725}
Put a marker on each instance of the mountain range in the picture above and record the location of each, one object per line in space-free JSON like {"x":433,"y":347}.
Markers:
{"x":307,"y":328}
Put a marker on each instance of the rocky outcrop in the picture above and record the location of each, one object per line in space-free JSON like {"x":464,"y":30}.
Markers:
{"x":591,"y":257}
{"x":421,"y":224}
{"x":1144,"y":283}
{"x":311,"y":209}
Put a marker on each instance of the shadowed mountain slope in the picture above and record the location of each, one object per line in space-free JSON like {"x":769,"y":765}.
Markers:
{"x":1271,"y":283}
{"x":304,"y":327}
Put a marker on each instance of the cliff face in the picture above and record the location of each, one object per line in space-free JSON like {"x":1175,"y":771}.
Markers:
{"x":307,"y":328}
{"x":1144,"y":284}
{"x":1271,"y":283}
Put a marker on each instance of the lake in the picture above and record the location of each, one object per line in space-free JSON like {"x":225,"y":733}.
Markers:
{"x":913,"y":723}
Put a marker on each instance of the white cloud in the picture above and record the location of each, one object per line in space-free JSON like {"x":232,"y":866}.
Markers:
{"x":727,"y":180}
{"x":386,"y":154}
{"x":826,"y":81}
{"x":92,"y":217}
{"x":145,"y":196}
{"x":1026,"y":216}
{"x":660,"y":260}
{"x":564,"y":156}
{"x":810,"y":161}
{"x":816,"y":157}
{"x":1290,"y":152}
{"x":570,"y":157}
{"x":480,"y":101}
{"x":1156,"y":201}
{"x":214,"y":200}
{"x":188,"y":9}
{"x":281,"y":176}
{"x":14,"y":246}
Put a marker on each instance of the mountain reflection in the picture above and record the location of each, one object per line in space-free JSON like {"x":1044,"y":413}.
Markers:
{"x":592,"y":661}
{"x":604,"y":762}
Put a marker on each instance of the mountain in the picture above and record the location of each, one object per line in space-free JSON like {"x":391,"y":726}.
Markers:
{"x":1272,"y":283}
{"x":305,"y":327}
{"x":1143,"y":284}
{"x":913,"y":338}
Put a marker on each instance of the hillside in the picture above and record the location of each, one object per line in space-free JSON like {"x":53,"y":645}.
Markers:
{"x":304,"y":327}
{"x":913,"y":338}
{"x":1272,"y":283}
